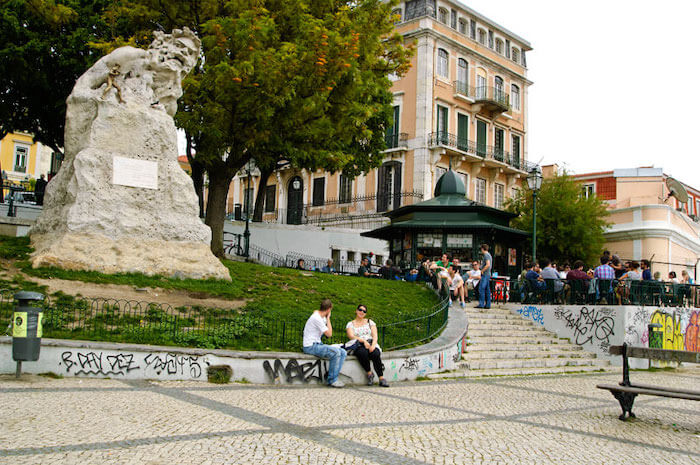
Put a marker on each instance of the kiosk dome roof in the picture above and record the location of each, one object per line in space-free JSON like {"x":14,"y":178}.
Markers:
{"x":449,"y":183}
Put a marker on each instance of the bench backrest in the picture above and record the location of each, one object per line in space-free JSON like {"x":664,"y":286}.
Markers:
{"x":656,"y":354}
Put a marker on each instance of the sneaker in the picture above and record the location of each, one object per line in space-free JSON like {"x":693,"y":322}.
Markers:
{"x":383,"y":383}
{"x":461,"y":304}
{"x":370,"y":379}
{"x":337,"y":384}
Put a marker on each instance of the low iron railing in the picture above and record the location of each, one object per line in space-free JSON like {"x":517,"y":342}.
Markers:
{"x":396,"y":140}
{"x":142,"y":322}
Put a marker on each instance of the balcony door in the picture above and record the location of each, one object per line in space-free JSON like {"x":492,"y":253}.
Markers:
{"x":442,"y":128}
{"x":389,"y":186}
{"x":480,"y":86}
{"x":481,"y":138}
{"x":498,"y":144}
{"x":295,"y":200}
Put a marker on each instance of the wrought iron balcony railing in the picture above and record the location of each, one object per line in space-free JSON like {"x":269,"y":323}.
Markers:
{"x":462,"y":88}
{"x":492,"y":94}
{"x":484,"y":151}
{"x":396,"y":140}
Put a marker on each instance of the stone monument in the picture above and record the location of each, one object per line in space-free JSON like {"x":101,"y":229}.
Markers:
{"x":121,"y":202}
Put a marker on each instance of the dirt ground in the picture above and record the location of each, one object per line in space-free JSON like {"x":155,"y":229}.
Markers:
{"x":175,"y":298}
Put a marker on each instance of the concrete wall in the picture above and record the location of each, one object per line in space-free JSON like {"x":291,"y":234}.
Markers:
{"x":310,"y":240}
{"x":131,"y":361}
{"x":595,"y":328}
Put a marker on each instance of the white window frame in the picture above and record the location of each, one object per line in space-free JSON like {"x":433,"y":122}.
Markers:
{"x":443,"y":15}
{"x":515,"y":102}
{"x":21,"y":147}
{"x":499,"y":45}
{"x":462,"y":26}
{"x":465,"y":179}
{"x":588,"y":189}
{"x":480,"y":190}
{"x":439,"y":171}
{"x":481,"y":34}
{"x":697,"y":207}
{"x":443,"y":64}
{"x":515,"y":54}
{"x":499,"y":195}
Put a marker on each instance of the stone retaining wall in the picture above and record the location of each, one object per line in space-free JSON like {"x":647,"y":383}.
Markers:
{"x":132,"y":361}
{"x":596,"y":327}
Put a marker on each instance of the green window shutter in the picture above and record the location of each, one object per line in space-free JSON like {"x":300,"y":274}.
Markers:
{"x":462,"y":132}
{"x":480,"y":138}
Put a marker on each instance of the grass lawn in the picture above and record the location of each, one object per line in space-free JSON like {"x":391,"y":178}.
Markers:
{"x":278,"y":302}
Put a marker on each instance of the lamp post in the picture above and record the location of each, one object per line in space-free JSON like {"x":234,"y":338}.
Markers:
{"x":246,"y":233}
{"x":534,"y":182}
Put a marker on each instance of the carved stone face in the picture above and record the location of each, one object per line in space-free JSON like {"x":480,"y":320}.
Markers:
{"x":170,"y":57}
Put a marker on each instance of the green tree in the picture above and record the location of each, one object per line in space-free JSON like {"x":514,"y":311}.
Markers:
{"x":44,"y":48}
{"x":305,"y":82}
{"x":569,"y":226}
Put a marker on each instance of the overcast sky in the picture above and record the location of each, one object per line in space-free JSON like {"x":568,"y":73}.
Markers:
{"x":615,"y":82}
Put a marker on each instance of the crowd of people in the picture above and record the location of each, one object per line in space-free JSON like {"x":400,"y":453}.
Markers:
{"x":610,"y":268}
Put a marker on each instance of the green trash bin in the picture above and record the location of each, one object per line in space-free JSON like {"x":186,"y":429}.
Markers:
{"x":26,"y":328}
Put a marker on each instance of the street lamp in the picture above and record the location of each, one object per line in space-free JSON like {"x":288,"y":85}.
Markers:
{"x":534,"y":182}
{"x":246,"y":233}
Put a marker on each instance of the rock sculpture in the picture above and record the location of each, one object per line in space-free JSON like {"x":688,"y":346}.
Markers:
{"x":121,"y":202}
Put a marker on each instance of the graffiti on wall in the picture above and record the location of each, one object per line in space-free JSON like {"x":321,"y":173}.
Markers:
{"x":589,"y":326}
{"x":532,"y":312}
{"x":677,"y":329}
{"x":692,"y":333}
{"x":79,"y":362}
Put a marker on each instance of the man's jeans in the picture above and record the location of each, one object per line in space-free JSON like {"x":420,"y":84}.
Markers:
{"x":335,"y":355}
{"x":485,"y":292}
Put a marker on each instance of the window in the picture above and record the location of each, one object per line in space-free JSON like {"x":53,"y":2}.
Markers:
{"x":499,"y":93}
{"x":498,"y":144}
{"x":523,"y":61}
{"x":515,"y":97}
{"x":442,"y":16}
{"x":465,"y":179}
{"x":418,"y":8}
{"x":463,"y":132}
{"x":389,"y":186}
{"x":21,"y":155}
{"x":439,"y":171}
{"x":270,"y":194}
{"x":515,"y":148}
{"x":345,"y":189}
{"x":480,"y":86}
{"x":507,"y":48}
{"x":515,"y":55}
{"x":588,"y":190}
{"x":472,"y":29}
{"x":443,"y":63}
{"x":482,"y":37}
{"x":490,"y":38}
{"x":480,"y":138}
{"x":397,"y":15}
{"x":392,"y":135}
{"x":514,"y":192}
{"x":462,"y":27}
{"x":462,"y":76}
{"x":697,"y":208}
{"x":319,"y":192}
{"x":499,"y":46}
{"x":56,"y":160}
{"x":480,"y":190}
{"x":442,"y":115}
{"x":453,"y":19}
{"x":498,"y":195}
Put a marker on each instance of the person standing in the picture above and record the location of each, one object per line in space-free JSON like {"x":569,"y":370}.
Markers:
{"x":40,"y":190}
{"x":319,"y":324}
{"x":484,"y":282}
{"x":646,"y":270}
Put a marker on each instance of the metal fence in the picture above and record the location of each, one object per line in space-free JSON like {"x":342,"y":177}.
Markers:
{"x":606,"y":291}
{"x":142,"y":322}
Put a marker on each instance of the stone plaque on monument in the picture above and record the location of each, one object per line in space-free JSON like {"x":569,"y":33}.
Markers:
{"x":121,"y":202}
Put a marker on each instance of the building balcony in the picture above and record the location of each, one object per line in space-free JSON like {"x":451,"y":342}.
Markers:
{"x":491,"y":100}
{"x":463,"y":92}
{"x":476,"y":152}
{"x":397,"y":141}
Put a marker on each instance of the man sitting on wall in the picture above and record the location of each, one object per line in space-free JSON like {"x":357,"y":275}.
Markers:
{"x":389,"y":271}
{"x":473,"y":277}
{"x":549,"y":272}
{"x":318,"y":325}
{"x":365,"y":270}
{"x":456,"y":284}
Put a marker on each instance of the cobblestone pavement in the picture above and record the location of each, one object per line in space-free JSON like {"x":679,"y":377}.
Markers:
{"x":518,"y":420}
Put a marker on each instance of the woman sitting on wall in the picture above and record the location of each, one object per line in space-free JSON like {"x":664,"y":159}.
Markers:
{"x":362,"y":333}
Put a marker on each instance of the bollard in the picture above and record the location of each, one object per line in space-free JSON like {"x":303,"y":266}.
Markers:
{"x":26,"y":329}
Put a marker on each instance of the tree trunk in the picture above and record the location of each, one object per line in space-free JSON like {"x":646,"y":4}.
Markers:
{"x":219,"y":181}
{"x":260,"y":197}
{"x":197,"y":175}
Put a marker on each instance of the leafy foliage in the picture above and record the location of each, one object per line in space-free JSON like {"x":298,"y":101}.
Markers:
{"x":569,"y":226}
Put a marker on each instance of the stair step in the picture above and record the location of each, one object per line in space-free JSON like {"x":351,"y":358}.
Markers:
{"x":519,"y":371}
{"x":488,"y":364}
{"x":509,"y":332}
{"x":523,"y":347}
{"x":516,"y":340}
{"x":514,"y":354}
{"x":485,"y":323}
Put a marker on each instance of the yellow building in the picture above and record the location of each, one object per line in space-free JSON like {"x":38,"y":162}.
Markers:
{"x":22,"y":159}
{"x":646,"y":222}
{"x":463,"y":103}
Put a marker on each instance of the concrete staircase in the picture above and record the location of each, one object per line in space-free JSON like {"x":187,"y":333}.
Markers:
{"x":504,"y":343}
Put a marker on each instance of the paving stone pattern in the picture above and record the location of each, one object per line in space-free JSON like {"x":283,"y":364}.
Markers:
{"x":559,"y":419}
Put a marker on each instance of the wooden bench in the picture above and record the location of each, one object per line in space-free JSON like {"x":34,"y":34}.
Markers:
{"x":626,"y":392}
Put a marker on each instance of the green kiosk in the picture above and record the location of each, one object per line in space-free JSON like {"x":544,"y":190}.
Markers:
{"x":451,"y":223}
